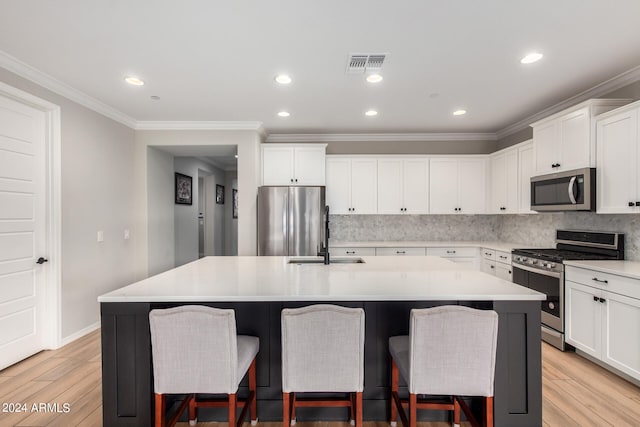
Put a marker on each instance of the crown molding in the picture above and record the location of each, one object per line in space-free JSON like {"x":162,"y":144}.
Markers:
{"x":614,"y":83}
{"x":379,"y":137}
{"x":26,"y":71}
{"x":200,"y":125}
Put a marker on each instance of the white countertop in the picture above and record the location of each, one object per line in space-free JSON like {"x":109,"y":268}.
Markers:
{"x":621,"y":268}
{"x":249,"y":278}
{"x":498,"y":246}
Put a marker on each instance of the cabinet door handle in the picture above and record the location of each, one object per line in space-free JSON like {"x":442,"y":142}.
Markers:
{"x":602,"y":300}
{"x":595,"y":279}
{"x":296,"y":179}
{"x":631,"y":204}
{"x":637,"y":203}
{"x":492,"y":266}
{"x":595,"y":298}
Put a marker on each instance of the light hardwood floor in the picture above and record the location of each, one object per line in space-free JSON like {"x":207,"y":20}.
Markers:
{"x":575,"y":391}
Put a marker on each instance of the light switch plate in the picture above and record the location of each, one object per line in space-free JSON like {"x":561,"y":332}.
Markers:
{"x":127,"y":234}
{"x":100,"y":236}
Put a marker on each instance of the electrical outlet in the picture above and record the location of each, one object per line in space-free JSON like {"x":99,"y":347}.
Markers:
{"x":127,"y":234}
{"x":100,"y":236}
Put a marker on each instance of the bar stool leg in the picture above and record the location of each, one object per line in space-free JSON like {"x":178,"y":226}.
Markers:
{"x":232,"y":410}
{"x":413,"y":406}
{"x":253,"y":389}
{"x":160,"y":410}
{"x":456,"y":412}
{"x":193,"y":416}
{"x":286,"y":408}
{"x":359,"y":409}
{"x":488,"y":410}
{"x":394,"y":389}
{"x":293,"y":409}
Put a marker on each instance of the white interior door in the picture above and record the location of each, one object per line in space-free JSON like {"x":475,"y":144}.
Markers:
{"x":22,"y":230}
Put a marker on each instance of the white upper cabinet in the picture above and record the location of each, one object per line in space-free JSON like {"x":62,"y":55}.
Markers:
{"x":566,"y":140}
{"x":457,"y":185}
{"x":403,"y":186}
{"x":618,"y":180}
{"x":525,"y":172}
{"x":351,"y":185}
{"x":504,"y":181}
{"x":288,"y":164}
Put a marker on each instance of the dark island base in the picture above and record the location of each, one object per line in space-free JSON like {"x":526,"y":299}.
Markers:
{"x":127,"y":383}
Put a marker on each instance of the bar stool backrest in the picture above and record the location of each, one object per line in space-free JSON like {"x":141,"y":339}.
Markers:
{"x":323,"y":349}
{"x":452,"y":351}
{"x":194,"y":350}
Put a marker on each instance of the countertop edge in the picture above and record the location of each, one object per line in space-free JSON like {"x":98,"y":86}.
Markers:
{"x":630,"y":269}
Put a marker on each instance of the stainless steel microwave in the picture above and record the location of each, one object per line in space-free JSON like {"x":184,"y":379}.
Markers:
{"x":573,"y":190}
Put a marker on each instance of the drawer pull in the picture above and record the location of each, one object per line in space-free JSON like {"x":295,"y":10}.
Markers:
{"x":487,"y":253}
{"x":351,"y":252}
{"x":400,"y":252}
{"x":595,"y":279}
{"x":503,"y":257}
{"x":451,"y":252}
{"x":492,"y":266}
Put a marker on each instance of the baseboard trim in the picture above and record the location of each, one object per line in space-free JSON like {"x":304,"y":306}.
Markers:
{"x":82,"y":332}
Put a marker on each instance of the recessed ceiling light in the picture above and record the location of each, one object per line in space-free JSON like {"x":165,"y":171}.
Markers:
{"x":459,"y":112}
{"x":134,"y":81}
{"x":284,"y":114}
{"x":371,"y":113}
{"x":283,"y":79}
{"x":531,"y":58}
{"x":374,"y":78}
{"x":155,"y":97}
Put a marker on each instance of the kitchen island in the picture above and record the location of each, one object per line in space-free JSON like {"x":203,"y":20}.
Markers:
{"x":258,"y":288}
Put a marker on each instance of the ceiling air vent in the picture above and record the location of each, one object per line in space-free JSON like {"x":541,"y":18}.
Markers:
{"x":361,"y":62}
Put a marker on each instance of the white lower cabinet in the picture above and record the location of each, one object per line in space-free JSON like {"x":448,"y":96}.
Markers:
{"x":497,"y":263}
{"x":352,"y":251}
{"x":602,"y":322}
{"x":400,"y":251}
{"x":464,"y":256}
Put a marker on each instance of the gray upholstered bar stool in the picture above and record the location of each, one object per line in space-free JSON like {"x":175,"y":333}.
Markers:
{"x":450,"y":351}
{"x":322,"y":351}
{"x":195,"y":349}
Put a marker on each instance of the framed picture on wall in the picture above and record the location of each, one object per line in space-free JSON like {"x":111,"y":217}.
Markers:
{"x":220,"y":194}
{"x":183,"y":189}
{"x":235,"y":203}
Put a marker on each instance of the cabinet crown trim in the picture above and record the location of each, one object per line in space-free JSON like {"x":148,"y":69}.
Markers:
{"x":586,"y":104}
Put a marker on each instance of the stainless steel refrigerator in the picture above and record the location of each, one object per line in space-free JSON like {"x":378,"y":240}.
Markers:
{"x":291,"y":221}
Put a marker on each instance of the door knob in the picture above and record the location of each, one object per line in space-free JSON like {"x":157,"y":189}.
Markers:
{"x":41,"y":260}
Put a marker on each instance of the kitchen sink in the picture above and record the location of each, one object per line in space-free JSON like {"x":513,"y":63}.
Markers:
{"x":336,"y":260}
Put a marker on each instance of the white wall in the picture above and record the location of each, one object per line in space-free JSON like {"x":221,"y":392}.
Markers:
{"x":186,"y":216}
{"x":160,"y":199}
{"x":231,"y":224}
{"x":248,"y":143}
{"x":97,"y":194}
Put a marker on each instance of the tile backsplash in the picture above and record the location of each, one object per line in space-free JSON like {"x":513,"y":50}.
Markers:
{"x":539,"y":230}
{"x":357,"y":228}
{"x":531,"y":230}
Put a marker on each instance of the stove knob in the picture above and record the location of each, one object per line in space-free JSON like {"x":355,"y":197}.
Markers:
{"x":534,"y":261}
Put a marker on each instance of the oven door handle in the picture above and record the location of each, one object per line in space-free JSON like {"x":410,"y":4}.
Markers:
{"x":536,"y":270}
{"x":572,"y":184}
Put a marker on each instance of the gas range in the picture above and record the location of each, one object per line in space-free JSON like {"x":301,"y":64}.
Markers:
{"x":543,"y":271}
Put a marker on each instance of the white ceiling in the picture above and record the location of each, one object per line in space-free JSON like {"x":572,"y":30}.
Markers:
{"x":216,"y":60}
